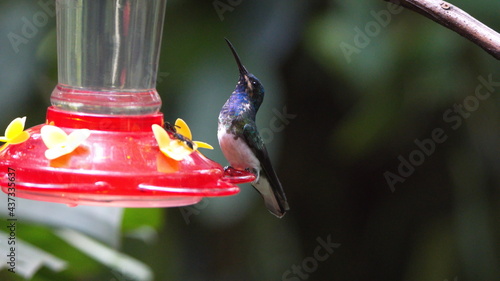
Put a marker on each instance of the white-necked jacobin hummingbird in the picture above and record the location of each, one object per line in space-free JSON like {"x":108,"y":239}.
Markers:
{"x":241,"y":143}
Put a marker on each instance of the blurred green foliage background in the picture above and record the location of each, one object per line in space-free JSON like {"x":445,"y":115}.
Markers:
{"x":351,"y":119}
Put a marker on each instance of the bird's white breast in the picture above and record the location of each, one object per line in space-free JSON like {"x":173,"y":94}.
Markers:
{"x":236,"y":151}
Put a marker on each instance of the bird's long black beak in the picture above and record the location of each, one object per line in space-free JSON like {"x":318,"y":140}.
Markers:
{"x":243,"y":70}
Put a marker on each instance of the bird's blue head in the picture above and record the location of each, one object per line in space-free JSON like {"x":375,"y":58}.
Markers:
{"x":248,"y":84}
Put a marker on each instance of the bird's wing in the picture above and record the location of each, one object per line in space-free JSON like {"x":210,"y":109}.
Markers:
{"x":256,"y":144}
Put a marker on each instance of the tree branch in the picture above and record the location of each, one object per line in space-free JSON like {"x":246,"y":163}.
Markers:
{"x":457,"y":20}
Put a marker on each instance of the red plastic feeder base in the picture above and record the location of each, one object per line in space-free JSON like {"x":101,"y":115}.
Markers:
{"x":119,"y":165}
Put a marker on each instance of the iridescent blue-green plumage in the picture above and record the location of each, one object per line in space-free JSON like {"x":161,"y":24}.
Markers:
{"x":241,"y":143}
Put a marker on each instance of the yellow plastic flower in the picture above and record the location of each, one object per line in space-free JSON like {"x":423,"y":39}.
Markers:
{"x":177,"y":148}
{"x":15,"y":134}
{"x":59,"y":143}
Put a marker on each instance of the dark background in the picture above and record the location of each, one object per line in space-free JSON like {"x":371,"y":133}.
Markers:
{"x":352,"y":119}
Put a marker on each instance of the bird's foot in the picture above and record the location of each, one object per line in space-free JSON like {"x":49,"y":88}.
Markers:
{"x":255,"y":172}
{"x":238,"y":176}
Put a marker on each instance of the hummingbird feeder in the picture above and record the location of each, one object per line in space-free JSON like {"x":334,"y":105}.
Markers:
{"x":103,"y":141}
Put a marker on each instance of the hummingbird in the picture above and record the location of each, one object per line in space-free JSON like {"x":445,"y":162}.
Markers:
{"x":242,"y":144}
